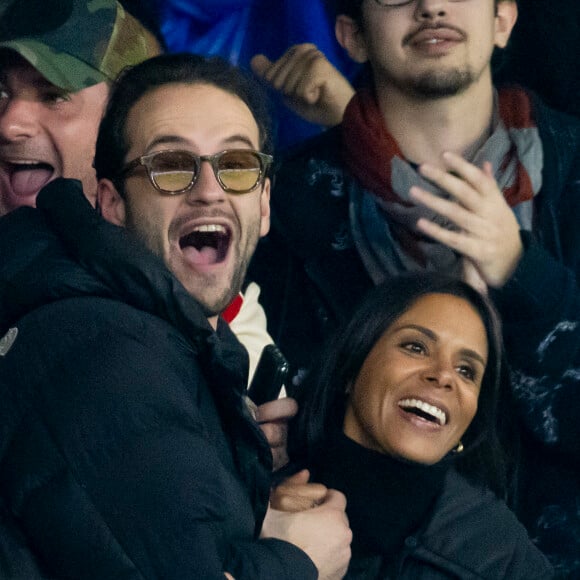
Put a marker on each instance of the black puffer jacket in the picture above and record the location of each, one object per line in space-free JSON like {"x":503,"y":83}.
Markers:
{"x":114,"y":460}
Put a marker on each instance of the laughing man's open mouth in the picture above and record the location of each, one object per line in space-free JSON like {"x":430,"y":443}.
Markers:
{"x":28,"y":178}
{"x":207,"y":244}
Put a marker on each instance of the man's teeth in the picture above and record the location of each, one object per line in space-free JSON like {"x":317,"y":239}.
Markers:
{"x":426,"y":408}
{"x":210,"y":228}
{"x":24,"y":163}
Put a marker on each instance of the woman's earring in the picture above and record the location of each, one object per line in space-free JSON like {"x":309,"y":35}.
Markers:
{"x":459,"y":448}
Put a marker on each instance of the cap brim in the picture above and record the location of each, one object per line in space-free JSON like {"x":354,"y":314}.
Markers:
{"x":66,"y":72}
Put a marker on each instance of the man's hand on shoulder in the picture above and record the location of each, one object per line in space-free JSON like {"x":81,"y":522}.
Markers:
{"x":273,"y":419}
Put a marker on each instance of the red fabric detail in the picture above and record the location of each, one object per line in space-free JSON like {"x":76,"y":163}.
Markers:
{"x":233,"y":308}
{"x":369,"y":147}
{"x":521,"y":190}
{"x":515,"y":108}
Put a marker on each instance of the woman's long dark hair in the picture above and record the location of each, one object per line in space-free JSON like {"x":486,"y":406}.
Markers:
{"x":323,"y":401}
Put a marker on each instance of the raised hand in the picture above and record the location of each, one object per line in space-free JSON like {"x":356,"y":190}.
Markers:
{"x":488,"y":234}
{"x":311,"y":85}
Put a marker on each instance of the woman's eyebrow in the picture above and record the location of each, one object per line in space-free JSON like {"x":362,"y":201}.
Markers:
{"x":470,"y":353}
{"x":466,"y":352}
{"x":422,"y":329}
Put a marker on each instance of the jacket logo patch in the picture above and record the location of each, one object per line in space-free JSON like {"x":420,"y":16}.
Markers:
{"x":7,"y":341}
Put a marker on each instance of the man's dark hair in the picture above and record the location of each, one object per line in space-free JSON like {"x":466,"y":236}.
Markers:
{"x":323,"y":400}
{"x":133,"y":83}
{"x":352,"y":8}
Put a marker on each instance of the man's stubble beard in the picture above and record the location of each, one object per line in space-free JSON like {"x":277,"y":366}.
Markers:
{"x":242,"y":260}
{"x":439,"y":85}
{"x":223,"y":300}
{"x":432,"y":85}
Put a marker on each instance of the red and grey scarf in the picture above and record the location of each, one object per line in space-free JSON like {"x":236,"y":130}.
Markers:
{"x":383,"y":223}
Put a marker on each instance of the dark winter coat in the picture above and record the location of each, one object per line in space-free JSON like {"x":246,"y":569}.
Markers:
{"x":413,"y":521}
{"x":126,"y":448}
{"x":468,"y":535}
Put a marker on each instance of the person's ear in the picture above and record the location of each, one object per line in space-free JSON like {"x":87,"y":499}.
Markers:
{"x":110,"y":202}
{"x":265,"y":208}
{"x":350,"y":37}
{"x":505,"y":19}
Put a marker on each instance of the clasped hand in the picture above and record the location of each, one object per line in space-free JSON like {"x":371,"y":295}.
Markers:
{"x":487,"y":234}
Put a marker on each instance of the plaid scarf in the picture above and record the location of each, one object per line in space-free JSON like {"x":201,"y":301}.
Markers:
{"x":383,"y":223}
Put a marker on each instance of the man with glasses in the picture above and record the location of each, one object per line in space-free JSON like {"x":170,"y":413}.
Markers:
{"x":433,"y":168}
{"x":128,"y":447}
{"x":58,"y":59}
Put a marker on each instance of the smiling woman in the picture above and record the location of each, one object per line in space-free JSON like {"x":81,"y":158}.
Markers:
{"x":417,"y":391}
{"x":401,"y":417}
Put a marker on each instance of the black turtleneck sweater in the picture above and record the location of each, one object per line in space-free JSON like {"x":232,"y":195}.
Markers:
{"x":388,"y":499}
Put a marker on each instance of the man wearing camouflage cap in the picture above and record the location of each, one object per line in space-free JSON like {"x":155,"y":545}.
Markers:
{"x":57,"y":58}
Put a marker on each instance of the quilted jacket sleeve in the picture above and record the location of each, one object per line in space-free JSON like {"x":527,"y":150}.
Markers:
{"x":119,"y":466}
{"x":540,"y":305}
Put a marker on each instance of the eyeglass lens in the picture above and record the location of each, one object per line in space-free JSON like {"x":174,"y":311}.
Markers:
{"x":172,"y":171}
{"x":236,"y":170}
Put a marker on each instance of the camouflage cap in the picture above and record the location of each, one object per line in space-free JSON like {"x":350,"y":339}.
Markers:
{"x":75,"y":43}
